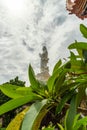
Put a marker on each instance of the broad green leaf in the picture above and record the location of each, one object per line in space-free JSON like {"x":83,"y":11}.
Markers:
{"x":39,"y":118}
{"x":33,"y":81}
{"x":14,"y":91}
{"x":71,"y":114}
{"x":58,"y":64}
{"x":15,"y":124}
{"x":32,"y":115}
{"x":14,"y":103}
{"x":83,"y":30}
{"x":78,"y":45}
{"x":24,"y":90}
{"x":10,"y":90}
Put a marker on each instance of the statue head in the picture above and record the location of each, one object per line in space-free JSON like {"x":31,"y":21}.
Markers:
{"x":44,"y":48}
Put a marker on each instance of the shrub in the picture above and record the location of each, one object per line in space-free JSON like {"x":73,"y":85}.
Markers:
{"x":60,"y":98}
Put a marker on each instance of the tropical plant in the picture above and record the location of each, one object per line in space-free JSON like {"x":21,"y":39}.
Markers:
{"x":7,"y":117}
{"x":64,"y":92}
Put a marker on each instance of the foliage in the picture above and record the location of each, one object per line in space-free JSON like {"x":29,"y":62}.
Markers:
{"x":60,"y":97}
{"x":17,"y":82}
{"x":78,"y":124}
{"x":7,"y":117}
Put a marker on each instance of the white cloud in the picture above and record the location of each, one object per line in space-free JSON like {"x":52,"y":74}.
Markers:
{"x":43,"y":22}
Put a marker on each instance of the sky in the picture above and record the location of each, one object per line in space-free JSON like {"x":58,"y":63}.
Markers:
{"x":26,"y":26}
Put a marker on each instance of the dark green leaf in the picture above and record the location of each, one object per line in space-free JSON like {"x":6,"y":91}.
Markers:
{"x":58,"y":64}
{"x":63,"y":101}
{"x":33,"y":81}
{"x":67,"y":87}
{"x":81,"y":93}
{"x":71,"y":114}
{"x":83,"y":30}
{"x":73,"y":56}
{"x":60,"y":80}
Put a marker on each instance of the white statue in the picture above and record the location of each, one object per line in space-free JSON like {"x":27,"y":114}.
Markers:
{"x":44,"y":59}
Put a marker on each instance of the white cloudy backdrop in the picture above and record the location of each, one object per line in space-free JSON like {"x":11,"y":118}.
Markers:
{"x":24,"y":32}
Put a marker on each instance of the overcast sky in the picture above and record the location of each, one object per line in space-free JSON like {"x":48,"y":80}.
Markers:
{"x":28,"y":25}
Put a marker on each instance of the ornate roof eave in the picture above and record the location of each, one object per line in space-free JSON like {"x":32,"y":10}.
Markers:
{"x":77,"y":7}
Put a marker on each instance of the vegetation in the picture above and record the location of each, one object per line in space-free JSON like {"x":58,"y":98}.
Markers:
{"x":7,"y":117}
{"x":59,"y":103}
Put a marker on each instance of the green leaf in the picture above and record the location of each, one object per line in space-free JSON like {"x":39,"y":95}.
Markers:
{"x":24,"y":91}
{"x":60,"y":81}
{"x":71,"y":114}
{"x":58,"y":64}
{"x":84,"y":53}
{"x":78,"y":45}
{"x":81,"y":122}
{"x":83,"y":30}
{"x":39,"y":118}
{"x":67,"y":65}
{"x":51,"y":81}
{"x":81,"y":93}
{"x":76,"y":119}
{"x":78,"y":66}
{"x":48,"y":129}
{"x":14,"y":103}
{"x":67,"y":87}
{"x":33,"y":81}
{"x":73,"y":56}
{"x":14,"y":91}
{"x":60,"y":126}
{"x":63,"y":101}
{"x":32,"y":115}
{"x":36,"y":86}
{"x":10,"y":90}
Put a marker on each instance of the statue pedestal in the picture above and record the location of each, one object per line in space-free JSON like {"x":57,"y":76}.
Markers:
{"x":43,"y":76}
